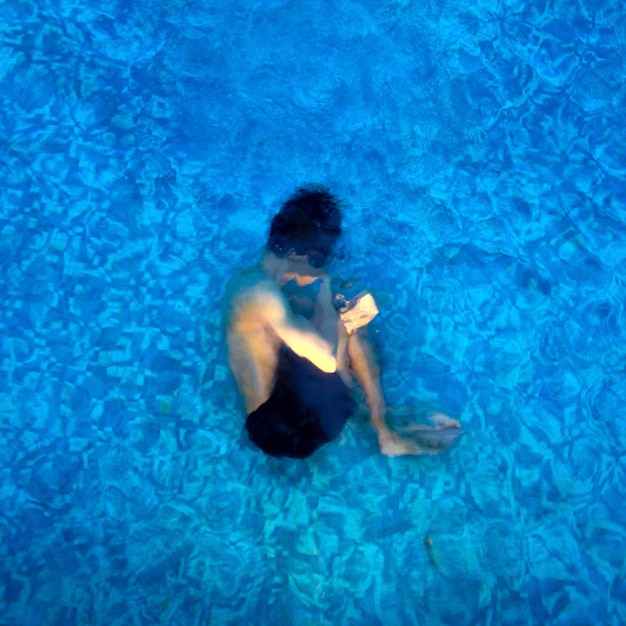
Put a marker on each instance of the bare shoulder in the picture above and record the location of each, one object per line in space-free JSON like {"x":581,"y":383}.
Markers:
{"x":251,"y":298}
{"x":249,"y":285}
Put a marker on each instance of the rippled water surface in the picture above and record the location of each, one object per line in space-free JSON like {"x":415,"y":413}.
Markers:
{"x":479,"y":151}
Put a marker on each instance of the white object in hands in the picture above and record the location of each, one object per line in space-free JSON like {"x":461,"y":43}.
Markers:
{"x":358,"y":312}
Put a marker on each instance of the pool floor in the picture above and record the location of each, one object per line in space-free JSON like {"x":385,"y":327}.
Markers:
{"x":478,"y":152}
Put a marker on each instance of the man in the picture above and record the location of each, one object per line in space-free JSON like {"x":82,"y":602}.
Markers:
{"x":292,"y":358}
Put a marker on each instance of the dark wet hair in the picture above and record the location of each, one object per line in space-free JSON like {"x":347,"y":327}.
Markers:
{"x":308,"y":223}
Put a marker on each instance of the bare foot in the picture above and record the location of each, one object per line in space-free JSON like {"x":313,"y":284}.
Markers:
{"x":440,"y":421}
{"x":441,"y":434}
{"x":395,"y":445}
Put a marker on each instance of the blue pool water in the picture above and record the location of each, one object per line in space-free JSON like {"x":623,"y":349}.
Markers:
{"x":479,"y":151}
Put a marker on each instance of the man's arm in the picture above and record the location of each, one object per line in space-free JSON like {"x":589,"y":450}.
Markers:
{"x":360,"y":359}
{"x":367,"y":372}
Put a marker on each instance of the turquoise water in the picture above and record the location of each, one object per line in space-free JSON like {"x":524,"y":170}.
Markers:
{"x":479,"y":150}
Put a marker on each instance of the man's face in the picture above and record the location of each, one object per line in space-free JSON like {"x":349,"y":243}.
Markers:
{"x":319,"y":248}
{"x":299,"y":268}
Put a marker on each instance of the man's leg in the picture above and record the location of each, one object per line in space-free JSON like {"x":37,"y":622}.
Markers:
{"x":253,"y":358}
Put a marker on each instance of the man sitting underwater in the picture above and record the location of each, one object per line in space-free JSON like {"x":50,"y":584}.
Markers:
{"x":291,"y":356}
